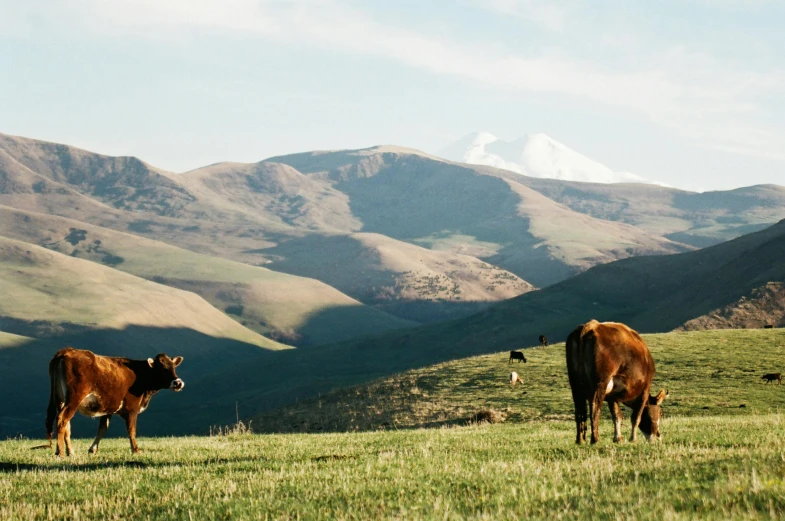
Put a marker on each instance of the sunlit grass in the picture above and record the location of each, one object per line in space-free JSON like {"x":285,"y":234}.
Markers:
{"x":709,"y":467}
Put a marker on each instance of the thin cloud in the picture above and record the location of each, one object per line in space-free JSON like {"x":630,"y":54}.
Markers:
{"x":693,"y":95}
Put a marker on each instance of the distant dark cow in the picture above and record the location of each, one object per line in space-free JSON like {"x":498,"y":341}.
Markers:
{"x":516,"y":355}
{"x":611,"y":362}
{"x":768,"y":326}
{"x":770,"y":377}
{"x":543,"y":340}
{"x":100,"y":386}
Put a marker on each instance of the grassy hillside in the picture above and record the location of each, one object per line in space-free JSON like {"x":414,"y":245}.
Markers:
{"x":707,"y":373}
{"x":404,"y":279}
{"x":44,"y":290}
{"x":296,"y":310}
{"x":644,"y":292}
{"x":724,"y":462}
{"x":699,"y":219}
{"x":651,"y":294}
{"x":763,"y":306}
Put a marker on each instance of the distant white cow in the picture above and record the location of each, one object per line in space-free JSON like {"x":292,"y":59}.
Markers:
{"x":515,"y":378}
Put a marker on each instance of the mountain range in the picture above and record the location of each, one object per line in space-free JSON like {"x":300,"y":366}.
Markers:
{"x":233,"y":264}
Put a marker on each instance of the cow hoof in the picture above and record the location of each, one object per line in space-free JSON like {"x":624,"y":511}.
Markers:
{"x":617,"y":440}
{"x":92,"y":450}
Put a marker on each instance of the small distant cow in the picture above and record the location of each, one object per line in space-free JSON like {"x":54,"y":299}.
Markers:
{"x":770,"y":377}
{"x":100,"y":386}
{"x":543,"y":340}
{"x":610,"y":362}
{"x":515,"y":378}
{"x":768,"y":326}
{"x":516,"y":355}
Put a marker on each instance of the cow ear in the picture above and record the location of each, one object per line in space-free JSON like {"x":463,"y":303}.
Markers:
{"x":150,"y":362}
{"x":661,"y":396}
{"x":177,"y":360}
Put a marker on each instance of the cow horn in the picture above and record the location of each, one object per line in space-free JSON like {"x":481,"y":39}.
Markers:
{"x":150,"y":361}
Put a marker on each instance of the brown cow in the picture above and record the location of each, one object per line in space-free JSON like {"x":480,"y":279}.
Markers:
{"x":610,"y":362}
{"x":770,"y":377}
{"x":100,"y":386}
{"x":543,"y":340}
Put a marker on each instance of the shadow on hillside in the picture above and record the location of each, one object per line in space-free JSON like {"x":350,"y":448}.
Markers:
{"x":25,"y":382}
{"x":413,"y":197}
{"x":356,"y":270}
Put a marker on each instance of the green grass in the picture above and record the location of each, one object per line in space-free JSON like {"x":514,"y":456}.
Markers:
{"x":720,"y":462}
{"x":706,"y":372}
{"x":710,"y":467}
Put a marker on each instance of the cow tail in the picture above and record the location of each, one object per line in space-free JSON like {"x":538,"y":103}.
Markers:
{"x":51,"y":410}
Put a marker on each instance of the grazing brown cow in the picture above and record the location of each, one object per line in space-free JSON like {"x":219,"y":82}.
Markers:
{"x":610,"y":362}
{"x":768,"y":326}
{"x":770,"y":377}
{"x":100,"y":386}
{"x":543,"y":340}
{"x":516,"y":355}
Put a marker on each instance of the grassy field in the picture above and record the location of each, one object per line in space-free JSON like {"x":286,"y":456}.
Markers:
{"x":710,"y":467}
{"x":707,"y":373}
{"x":717,"y":460}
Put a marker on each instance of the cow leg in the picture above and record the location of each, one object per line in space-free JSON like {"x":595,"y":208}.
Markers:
{"x":102,"y":427}
{"x":596,"y":407}
{"x":68,"y":449}
{"x":580,"y":419}
{"x":637,"y":412}
{"x":64,"y":428}
{"x":130,"y":423}
{"x":616,"y":417}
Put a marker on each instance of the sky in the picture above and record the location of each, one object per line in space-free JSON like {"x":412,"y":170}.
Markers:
{"x":687,"y":92}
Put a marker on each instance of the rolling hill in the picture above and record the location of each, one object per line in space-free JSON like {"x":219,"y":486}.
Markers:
{"x":45,"y":292}
{"x":652,"y":294}
{"x":702,"y":381}
{"x":542,"y":231}
{"x":295,"y":310}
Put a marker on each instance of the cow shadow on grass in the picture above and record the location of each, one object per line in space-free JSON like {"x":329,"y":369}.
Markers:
{"x":66,"y":466}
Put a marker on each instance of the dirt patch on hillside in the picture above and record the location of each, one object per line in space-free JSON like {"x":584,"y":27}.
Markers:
{"x":764,"y":306}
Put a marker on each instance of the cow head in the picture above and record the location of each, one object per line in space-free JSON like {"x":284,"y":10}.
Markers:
{"x":652,"y":415}
{"x":164,"y":374}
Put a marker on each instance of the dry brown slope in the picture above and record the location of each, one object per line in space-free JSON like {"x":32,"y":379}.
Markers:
{"x":401,"y":278}
{"x":700,"y":219}
{"x":488,"y":212}
{"x":764,"y":306}
{"x":294,"y":309}
{"x":255,"y":208}
{"x":42,"y":286}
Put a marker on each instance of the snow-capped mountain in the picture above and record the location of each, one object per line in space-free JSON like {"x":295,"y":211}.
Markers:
{"x":536,"y":155}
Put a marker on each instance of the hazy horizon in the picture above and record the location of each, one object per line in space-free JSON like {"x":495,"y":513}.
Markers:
{"x":686,"y":93}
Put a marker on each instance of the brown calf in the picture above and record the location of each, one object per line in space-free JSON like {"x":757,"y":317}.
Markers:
{"x":100,"y":386}
{"x":770,"y":377}
{"x":610,"y":362}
